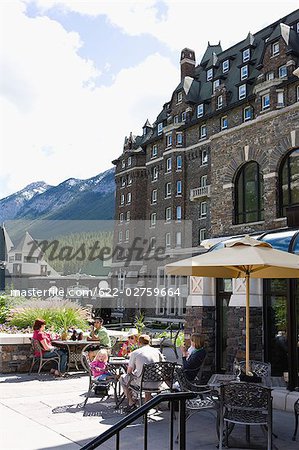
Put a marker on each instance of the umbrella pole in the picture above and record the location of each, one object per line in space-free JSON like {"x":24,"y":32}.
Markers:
{"x":247,"y":321}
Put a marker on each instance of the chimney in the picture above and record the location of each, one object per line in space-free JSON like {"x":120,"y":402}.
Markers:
{"x":187,"y":63}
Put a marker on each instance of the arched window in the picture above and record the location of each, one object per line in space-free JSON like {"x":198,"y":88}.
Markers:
{"x":249,"y":184}
{"x":289,"y":182}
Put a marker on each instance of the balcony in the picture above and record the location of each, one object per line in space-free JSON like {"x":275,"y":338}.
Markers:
{"x":197,"y":193}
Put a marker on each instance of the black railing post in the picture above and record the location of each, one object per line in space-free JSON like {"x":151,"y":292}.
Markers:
{"x":145,"y":432}
{"x":171,"y":425}
{"x":182,"y":425}
{"x":117,"y":441}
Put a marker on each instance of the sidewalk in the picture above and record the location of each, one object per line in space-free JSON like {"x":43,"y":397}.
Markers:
{"x":44,"y":413}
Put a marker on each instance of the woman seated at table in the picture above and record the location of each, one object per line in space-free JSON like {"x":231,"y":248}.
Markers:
{"x":131,"y":344}
{"x":193,"y":359}
{"x":48,"y":350}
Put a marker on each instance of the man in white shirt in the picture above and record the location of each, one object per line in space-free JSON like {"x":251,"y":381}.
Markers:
{"x":143,"y":355}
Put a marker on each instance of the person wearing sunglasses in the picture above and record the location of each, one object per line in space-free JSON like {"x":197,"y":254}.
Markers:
{"x":131,"y":344}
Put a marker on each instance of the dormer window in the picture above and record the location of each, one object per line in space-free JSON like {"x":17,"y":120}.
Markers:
{"x":200,"y":110}
{"x":242,"y":91}
{"x":225,"y":66}
{"x":176,"y":119}
{"x":246,"y":55}
{"x":216,"y":84}
{"x":184,"y":115}
{"x":160,"y":128}
{"x":209,"y":74}
{"x":219,"y":101}
{"x":123,"y":164}
{"x":282,"y":71}
{"x":179,"y":98}
{"x":168,"y":140}
{"x":275,"y":49}
{"x":129,"y":161}
{"x":297,"y":27}
{"x":244,"y":72}
{"x":154,"y":151}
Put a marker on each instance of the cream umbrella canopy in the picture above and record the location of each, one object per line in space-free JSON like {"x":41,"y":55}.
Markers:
{"x":244,"y":258}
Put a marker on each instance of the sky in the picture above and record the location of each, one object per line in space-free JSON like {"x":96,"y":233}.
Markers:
{"x":76,"y":77}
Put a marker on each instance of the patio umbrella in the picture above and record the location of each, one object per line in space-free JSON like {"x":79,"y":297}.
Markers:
{"x":243,"y":258}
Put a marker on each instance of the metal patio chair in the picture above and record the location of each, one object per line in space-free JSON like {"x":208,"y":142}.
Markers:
{"x":247,"y":404}
{"x":262,"y":369}
{"x":296,"y":411}
{"x":160,"y":377}
{"x":37,"y":348}
{"x":170,"y":343}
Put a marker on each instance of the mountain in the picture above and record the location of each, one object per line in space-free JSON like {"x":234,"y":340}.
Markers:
{"x":72,"y":199}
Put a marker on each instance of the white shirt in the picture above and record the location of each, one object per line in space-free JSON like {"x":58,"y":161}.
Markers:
{"x":144,"y":355}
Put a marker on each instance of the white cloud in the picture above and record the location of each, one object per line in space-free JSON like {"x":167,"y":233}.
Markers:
{"x":56,"y":123}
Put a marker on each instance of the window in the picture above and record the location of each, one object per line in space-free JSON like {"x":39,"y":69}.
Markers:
{"x":154,"y":173}
{"x":152,"y":243}
{"x":168,"y":165}
{"x":168,"y":214}
{"x":249,"y":188}
{"x":122,"y":199}
{"x":168,"y":140}
{"x":246,"y":55}
{"x":184,"y":116}
{"x":123,"y":181}
{"x":167,"y":190}
{"x":120,"y":236}
{"x":203,"y":181}
{"x":216,"y":84}
{"x":129,"y":198}
{"x":209,"y":74}
{"x":178,"y":213}
{"x":204,"y":157}
{"x":154,"y":151}
{"x":121,"y":217}
{"x":160,"y":128}
{"x":297,"y":27}
{"x":275,"y":49}
{"x":280,"y":99}
{"x":269,"y":76}
{"x":178,"y":239}
{"x":179,"y":97}
{"x":247,"y":113}
{"x":282,"y":71}
{"x":123,"y":164}
{"x":288,"y":182}
{"x":219,"y":101}
{"x":176,"y":119}
{"x":179,"y":162}
{"x":154,"y":196}
{"x":179,"y":139}
{"x":18,"y":256}
{"x":225,"y":66}
{"x":153,"y":219}
{"x":224,"y":123}
{"x":130,"y":180}
{"x":244,"y":72}
{"x":266,"y":101}
{"x":297,"y":91}
{"x":179,"y":187}
{"x":242,"y":91}
{"x":128,"y":218}
{"x":203,"y":210}
{"x":203,"y":131}
{"x":202,"y":235}
{"x":129,"y":161}
{"x":167,"y":240}
{"x":200,"y":110}
{"x":127,"y":235}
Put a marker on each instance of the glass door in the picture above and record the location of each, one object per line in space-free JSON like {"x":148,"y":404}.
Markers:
{"x":223,"y":295}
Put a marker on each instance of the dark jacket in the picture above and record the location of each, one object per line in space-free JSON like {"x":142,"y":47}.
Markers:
{"x":192,"y":365}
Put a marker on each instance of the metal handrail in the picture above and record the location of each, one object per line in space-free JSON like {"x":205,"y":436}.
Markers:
{"x":142,"y":411}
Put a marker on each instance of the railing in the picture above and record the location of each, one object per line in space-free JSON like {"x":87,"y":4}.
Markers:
{"x":115,"y":430}
{"x":203,"y":191}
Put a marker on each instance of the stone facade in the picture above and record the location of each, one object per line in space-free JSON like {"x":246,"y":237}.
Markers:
{"x":15,"y":358}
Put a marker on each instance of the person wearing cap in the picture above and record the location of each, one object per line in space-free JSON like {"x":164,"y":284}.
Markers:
{"x":143,"y":355}
{"x":131,"y":344}
{"x":99,"y":333}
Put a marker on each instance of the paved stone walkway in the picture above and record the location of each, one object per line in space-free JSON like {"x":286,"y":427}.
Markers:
{"x":44,"y":413}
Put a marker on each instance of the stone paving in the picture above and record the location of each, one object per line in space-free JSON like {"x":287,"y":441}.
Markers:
{"x":41,"y":412}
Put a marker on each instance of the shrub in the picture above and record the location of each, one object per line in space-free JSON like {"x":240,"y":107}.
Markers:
{"x":58,"y":314}
{"x":4,"y":309}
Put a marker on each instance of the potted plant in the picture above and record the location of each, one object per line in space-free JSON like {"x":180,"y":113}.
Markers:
{"x":139,"y":322}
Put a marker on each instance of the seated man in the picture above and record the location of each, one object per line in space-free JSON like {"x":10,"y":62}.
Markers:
{"x":143,"y":355}
{"x":99,"y":333}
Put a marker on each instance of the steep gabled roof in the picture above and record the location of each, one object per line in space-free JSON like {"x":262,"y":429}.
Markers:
{"x":249,"y":41}
{"x":209,"y":52}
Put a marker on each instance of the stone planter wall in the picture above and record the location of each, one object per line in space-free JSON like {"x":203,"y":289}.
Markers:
{"x":15,"y":358}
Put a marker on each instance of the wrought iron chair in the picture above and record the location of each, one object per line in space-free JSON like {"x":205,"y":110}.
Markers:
{"x":95,"y":384}
{"x":207,"y":398}
{"x":37,"y":348}
{"x":170,"y":343}
{"x":247,"y":404}
{"x":160,"y":377}
{"x":262,"y":369}
{"x":296,"y":411}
